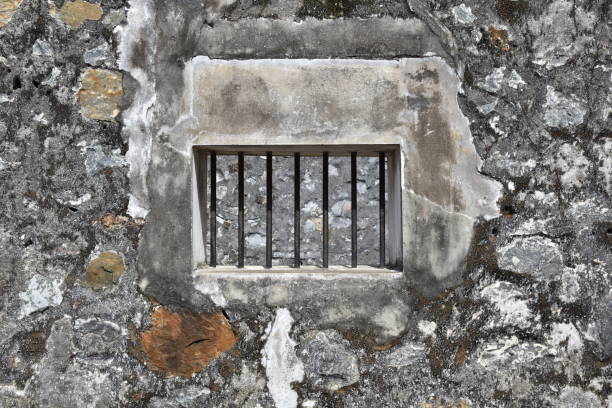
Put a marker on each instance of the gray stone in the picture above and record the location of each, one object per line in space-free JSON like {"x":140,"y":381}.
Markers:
{"x":536,"y":256}
{"x":62,"y":379}
{"x":493,"y":81}
{"x":561,"y":111}
{"x":42,"y":292}
{"x":559,"y":38}
{"x":98,"y":337}
{"x":97,"y":158}
{"x":405,"y":355}
{"x":603,"y":325}
{"x":571,"y":397}
{"x":97,"y":56}
{"x":328,"y":361}
{"x":569,"y":160}
{"x":604,"y":171}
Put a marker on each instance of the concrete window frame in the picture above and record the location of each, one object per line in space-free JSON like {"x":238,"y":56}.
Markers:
{"x":201,"y":217}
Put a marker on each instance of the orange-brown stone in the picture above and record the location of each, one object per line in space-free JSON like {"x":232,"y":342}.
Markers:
{"x":74,"y":13}
{"x":105,"y":270}
{"x":180,"y":344}
{"x":7,"y":9}
{"x":499,"y":38}
{"x":100,"y":94}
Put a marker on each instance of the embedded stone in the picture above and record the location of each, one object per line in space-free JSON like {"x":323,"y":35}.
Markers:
{"x":74,"y":13}
{"x":558,"y":38}
{"x":42,"y":292}
{"x":329,"y":362}
{"x":535,"y":256}
{"x":463,"y":14}
{"x":561,"y":111}
{"x":7,"y":9}
{"x":499,"y":37}
{"x":100,"y":94}
{"x":180,"y":344}
{"x":105,"y":270}
{"x":509,"y":303}
{"x":407,"y":354}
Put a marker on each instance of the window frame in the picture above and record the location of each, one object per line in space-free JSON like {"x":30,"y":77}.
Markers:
{"x":393,"y":208}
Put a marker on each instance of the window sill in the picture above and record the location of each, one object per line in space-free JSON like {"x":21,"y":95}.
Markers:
{"x":311,"y":272}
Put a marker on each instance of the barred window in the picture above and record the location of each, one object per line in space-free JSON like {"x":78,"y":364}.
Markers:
{"x":299,"y":227}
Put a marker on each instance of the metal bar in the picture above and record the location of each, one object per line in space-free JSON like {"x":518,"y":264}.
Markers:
{"x":325,"y":210}
{"x":381,"y":201}
{"x":213,"y":209}
{"x":354,"y":209}
{"x":268,"y":210}
{"x":241,"y":210}
{"x":296,"y":210}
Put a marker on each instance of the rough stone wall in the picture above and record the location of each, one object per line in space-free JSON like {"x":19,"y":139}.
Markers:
{"x":530,"y":325}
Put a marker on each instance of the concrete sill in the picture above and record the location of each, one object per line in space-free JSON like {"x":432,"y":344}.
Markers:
{"x":311,"y":272}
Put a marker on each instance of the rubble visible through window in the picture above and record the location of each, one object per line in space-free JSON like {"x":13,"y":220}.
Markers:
{"x":339,"y":206}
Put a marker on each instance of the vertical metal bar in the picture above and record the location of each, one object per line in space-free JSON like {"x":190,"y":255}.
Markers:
{"x":241,"y":210}
{"x":269,"y":210}
{"x":381,"y":201}
{"x":296,"y":210}
{"x":213,"y":209}
{"x":354,"y":209}
{"x":325,"y":210}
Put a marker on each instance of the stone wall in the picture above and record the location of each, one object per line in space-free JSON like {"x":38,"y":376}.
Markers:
{"x":90,"y":100}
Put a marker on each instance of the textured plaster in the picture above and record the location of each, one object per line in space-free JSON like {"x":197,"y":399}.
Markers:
{"x":410,"y":103}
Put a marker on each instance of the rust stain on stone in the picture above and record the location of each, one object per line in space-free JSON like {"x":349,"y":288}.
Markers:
{"x":7,"y":9}
{"x":100,"y":94}
{"x":499,"y":38}
{"x":74,"y":13}
{"x":182,"y":344}
{"x":105,"y":270}
{"x":111,"y":221}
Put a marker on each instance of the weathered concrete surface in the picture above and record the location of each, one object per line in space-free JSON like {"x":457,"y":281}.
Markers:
{"x":332,"y":299}
{"x":410,"y":102}
{"x":313,"y":38}
{"x":510,"y":334}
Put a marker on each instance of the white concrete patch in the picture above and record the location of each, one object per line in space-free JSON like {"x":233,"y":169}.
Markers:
{"x":281,"y":362}
{"x":135,"y":209}
{"x":508,"y":301}
{"x":463,"y":14}
{"x":509,"y":352}
{"x":211,"y":288}
{"x":427,"y":328}
{"x":392,"y":319}
{"x":136,"y":119}
{"x":42,"y":292}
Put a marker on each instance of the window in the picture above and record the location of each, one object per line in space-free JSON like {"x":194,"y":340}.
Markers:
{"x":207,"y":224}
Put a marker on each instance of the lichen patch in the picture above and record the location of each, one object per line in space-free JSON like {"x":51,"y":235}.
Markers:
{"x":180,"y":344}
{"x":74,"y":13}
{"x":100,"y":94}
